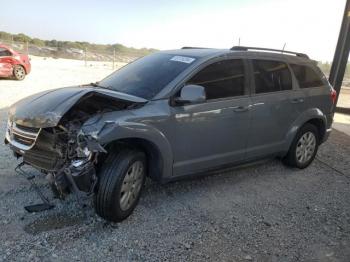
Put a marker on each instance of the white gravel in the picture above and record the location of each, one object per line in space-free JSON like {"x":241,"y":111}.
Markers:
{"x":50,"y":73}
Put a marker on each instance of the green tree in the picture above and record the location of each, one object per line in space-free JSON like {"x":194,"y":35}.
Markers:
{"x":37,"y":42}
{"x":21,"y":38}
{"x":5,"y":36}
{"x":119,"y":48}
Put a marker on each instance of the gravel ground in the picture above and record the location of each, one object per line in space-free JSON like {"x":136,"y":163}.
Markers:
{"x":262,"y":212}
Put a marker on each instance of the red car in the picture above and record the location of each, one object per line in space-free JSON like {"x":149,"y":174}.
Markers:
{"x":13,"y":64}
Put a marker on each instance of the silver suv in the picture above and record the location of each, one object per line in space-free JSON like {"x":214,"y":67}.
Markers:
{"x":173,"y":114}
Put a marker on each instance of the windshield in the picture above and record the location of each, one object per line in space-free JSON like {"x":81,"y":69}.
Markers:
{"x":147,"y":76}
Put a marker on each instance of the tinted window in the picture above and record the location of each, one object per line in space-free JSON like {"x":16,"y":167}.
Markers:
{"x":306,"y":76}
{"x":147,"y":76}
{"x":271,"y":76}
{"x":4,"y":52}
{"x":221,"y":79}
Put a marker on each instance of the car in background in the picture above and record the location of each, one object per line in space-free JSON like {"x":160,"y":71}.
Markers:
{"x":13,"y":64}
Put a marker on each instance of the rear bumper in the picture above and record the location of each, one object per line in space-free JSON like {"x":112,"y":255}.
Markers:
{"x":326,"y":135}
{"x":28,"y":68}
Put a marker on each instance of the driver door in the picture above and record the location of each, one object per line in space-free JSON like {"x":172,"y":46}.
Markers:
{"x":213,"y":134}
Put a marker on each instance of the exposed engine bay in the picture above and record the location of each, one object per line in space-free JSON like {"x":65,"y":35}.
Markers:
{"x":67,"y":156}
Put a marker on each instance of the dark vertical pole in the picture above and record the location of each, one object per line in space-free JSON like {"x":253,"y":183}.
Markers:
{"x":113,"y":57}
{"x":341,"y":55}
{"x":85,"y":57}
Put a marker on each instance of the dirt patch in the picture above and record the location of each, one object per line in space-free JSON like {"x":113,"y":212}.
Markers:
{"x":53,"y":222}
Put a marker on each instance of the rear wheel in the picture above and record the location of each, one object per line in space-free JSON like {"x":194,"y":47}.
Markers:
{"x":18,"y":72}
{"x":304,"y":147}
{"x":120,"y":183}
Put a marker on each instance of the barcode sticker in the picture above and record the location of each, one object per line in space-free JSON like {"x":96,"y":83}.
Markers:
{"x":182,"y":59}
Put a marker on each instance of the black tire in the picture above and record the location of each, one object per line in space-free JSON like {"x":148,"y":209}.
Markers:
{"x":291,"y":158}
{"x":19,"y":73}
{"x":108,"y":197}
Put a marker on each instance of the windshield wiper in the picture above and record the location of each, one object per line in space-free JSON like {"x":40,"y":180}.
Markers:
{"x":96,"y":84}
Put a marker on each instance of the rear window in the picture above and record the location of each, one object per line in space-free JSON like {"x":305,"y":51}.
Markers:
{"x":271,"y":76}
{"x":306,"y":76}
{"x":4,"y":52}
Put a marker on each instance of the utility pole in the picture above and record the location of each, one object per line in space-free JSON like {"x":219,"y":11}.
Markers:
{"x":284,"y":46}
{"x":113,"y":57}
{"x":85,"y":57}
{"x":341,"y":54}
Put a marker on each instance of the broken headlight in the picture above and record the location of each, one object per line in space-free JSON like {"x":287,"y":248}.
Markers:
{"x":8,"y":129}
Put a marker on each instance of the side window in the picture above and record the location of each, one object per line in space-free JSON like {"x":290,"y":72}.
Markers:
{"x":306,"y":76}
{"x":4,"y":52}
{"x":271,"y":76}
{"x":221,"y":79}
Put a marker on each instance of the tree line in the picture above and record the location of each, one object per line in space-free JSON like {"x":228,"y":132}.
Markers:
{"x":73,"y":44}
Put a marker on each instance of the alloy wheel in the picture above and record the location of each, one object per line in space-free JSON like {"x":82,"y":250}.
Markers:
{"x":305,"y":147}
{"x":131,"y":185}
{"x":19,"y":72}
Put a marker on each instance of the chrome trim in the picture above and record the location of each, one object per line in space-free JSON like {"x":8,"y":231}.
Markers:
{"x":13,"y":129}
{"x":20,"y":146}
{"x":259,"y":104}
{"x":23,"y":133}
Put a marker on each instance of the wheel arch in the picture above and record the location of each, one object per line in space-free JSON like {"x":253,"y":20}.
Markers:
{"x":312,"y":116}
{"x":155,"y":161}
{"x":19,"y":64}
{"x":321,"y":126}
{"x":144,"y":137}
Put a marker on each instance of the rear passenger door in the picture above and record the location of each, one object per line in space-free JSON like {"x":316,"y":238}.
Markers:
{"x":275,"y":106}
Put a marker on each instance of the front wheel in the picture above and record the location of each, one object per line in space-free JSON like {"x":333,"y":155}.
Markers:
{"x":304,"y":147}
{"x":18,"y":72}
{"x":120,"y":183}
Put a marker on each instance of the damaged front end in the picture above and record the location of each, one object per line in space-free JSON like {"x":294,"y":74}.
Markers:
{"x":51,"y":140}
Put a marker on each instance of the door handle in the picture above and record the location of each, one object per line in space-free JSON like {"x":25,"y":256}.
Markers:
{"x":297,"y":100}
{"x":242,"y":108}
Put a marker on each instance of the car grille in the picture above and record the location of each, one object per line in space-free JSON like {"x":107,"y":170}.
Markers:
{"x":28,"y":129}
{"x":20,"y":136}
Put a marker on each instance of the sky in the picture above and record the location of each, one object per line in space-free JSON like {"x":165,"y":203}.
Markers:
{"x":310,"y":26}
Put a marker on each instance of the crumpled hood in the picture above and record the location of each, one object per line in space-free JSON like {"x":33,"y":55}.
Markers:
{"x":45,"y":109}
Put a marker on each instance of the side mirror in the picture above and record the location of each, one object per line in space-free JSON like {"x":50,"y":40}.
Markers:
{"x":191,"y":94}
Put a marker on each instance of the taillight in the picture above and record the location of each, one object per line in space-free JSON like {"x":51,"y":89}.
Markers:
{"x":333,"y":95}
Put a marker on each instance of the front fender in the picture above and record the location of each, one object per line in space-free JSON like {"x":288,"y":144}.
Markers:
{"x":312,"y":113}
{"x":112,"y":131}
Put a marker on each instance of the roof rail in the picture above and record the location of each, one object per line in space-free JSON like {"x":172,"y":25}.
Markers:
{"x":247,"y":48}
{"x":192,"y":47}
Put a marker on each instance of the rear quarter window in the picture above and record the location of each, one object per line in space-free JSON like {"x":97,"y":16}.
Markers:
{"x":307,"y":76}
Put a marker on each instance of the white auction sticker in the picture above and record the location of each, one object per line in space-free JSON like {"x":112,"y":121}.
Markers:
{"x":183,"y":59}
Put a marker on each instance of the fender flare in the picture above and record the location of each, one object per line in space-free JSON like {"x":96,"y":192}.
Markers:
{"x":312,"y":113}
{"x":115,"y":131}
